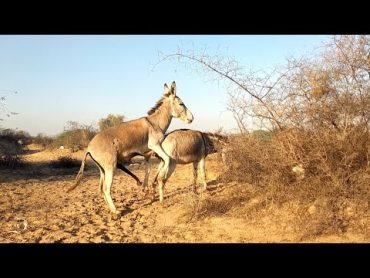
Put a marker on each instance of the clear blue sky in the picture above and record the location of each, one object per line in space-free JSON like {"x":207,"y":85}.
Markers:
{"x":84,"y":78}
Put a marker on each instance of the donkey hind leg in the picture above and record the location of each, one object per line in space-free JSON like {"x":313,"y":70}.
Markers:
{"x":106,"y":189}
{"x":163,"y":180}
{"x":127,"y":171}
{"x":195,"y":175}
{"x":155,"y":180}
{"x":101,"y":182}
{"x":202,"y":170}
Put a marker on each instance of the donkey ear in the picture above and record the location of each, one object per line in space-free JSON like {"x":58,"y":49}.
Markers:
{"x":166,"y":90}
{"x":173,"y":88}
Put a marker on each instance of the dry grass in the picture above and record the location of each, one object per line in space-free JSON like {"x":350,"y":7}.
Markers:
{"x":332,"y":197}
{"x":10,"y":152}
{"x":65,"y":162}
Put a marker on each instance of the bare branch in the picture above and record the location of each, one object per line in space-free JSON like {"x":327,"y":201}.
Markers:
{"x":229,"y":71}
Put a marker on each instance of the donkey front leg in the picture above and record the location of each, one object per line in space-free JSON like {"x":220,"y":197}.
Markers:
{"x":157,"y":148}
{"x":202,"y":170}
{"x":162,"y":180}
{"x":155,"y":181}
{"x":195,"y":175}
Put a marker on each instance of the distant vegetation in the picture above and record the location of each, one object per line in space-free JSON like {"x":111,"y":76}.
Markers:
{"x":75,"y":137}
{"x":110,"y":121}
{"x":12,"y":135}
{"x":42,"y":140}
{"x":66,"y":162}
{"x":11,"y":142}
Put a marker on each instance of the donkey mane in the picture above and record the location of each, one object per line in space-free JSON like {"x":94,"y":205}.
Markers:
{"x":156,"y":106}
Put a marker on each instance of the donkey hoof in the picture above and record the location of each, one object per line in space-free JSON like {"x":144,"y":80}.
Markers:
{"x":115,"y":215}
{"x":146,"y":192}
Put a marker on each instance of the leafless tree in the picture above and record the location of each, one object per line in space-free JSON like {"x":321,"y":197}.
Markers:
{"x":3,"y":108}
{"x":251,"y":94}
{"x":330,"y":89}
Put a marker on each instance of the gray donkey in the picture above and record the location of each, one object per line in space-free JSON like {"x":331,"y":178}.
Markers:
{"x":186,"y":146}
{"x":115,"y":147}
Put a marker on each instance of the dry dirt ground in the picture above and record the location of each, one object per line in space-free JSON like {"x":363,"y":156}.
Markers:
{"x":35,"y":208}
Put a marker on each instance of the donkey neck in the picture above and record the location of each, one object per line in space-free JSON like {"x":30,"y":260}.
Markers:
{"x":161,"y":118}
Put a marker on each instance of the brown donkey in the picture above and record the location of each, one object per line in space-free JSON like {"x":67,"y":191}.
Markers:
{"x":116,"y":146}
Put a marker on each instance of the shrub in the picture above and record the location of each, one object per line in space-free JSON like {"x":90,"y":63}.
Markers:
{"x":10,"y":161}
{"x":66,"y":162}
{"x":17,"y":136}
{"x":75,"y":136}
{"x":42,"y":140}
{"x":110,"y":121}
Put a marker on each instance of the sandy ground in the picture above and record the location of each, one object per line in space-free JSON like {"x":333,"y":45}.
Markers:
{"x":35,"y":208}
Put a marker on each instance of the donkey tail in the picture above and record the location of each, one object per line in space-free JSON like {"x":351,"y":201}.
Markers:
{"x":80,"y":173}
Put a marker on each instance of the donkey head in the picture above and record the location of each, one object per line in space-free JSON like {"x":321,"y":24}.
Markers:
{"x":178,"y":108}
{"x":215,"y":142}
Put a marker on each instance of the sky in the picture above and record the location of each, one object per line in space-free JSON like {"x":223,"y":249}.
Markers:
{"x":83,"y":78}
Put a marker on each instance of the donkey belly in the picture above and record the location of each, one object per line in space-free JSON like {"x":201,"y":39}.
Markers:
{"x":187,"y":159}
{"x":183,"y":154}
{"x":183,"y":157}
{"x":125,"y":156}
